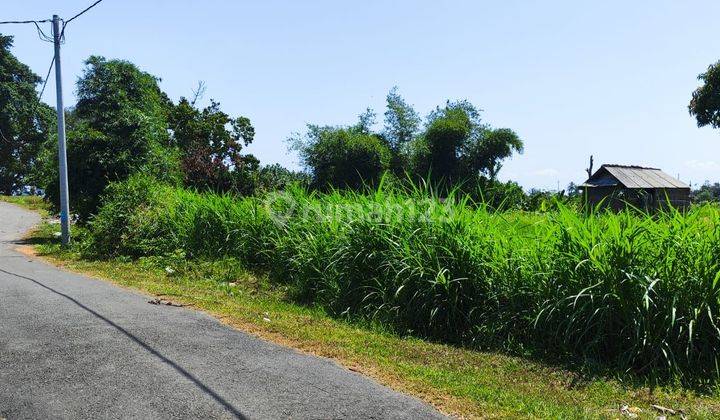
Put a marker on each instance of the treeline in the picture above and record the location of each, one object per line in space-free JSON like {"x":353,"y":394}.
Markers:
{"x":452,"y":147}
{"x":706,"y":193}
{"x":123,"y":123}
{"x":25,"y":122}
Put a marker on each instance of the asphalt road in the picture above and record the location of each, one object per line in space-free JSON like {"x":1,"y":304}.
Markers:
{"x":76,"y":347}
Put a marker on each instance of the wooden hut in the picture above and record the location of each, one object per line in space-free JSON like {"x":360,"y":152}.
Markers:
{"x":616,"y":186}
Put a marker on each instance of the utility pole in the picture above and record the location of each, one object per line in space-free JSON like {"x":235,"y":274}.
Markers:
{"x":62,"y":154}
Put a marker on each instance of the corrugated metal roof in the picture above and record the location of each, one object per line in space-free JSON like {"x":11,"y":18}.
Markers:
{"x":601,"y":181}
{"x":635,"y":177}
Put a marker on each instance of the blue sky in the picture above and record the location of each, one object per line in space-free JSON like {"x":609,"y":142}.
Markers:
{"x":610,"y":78}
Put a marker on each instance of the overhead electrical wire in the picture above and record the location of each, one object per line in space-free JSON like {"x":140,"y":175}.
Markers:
{"x":41,"y":33}
{"x":65,"y":22}
{"x":84,"y":10}
{"x":47,"y":76}
{"x":44,"y":37}
{"x":7,"y":22}
{"x":36,"y":22}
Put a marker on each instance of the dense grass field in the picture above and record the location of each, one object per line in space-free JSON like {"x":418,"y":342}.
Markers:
{"x":459,"y":380}
{"x":626,"y":292}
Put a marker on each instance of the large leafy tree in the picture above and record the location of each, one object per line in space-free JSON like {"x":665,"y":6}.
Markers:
{"x":118,"y":127}
{"x":444,"y":137}
{"x":343,"y":157}
{"x":457,"y":146}
{"x":401,"y":121}
{"x":706,"y":193}
{"x":402,"y":125}
{"x":24,"y":120}
{"x":211,"y":144}
{"x":485,"y":154}
{"x":705,"y":102}
{"x":438,"y":151}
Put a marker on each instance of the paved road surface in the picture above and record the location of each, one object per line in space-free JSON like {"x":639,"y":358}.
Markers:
{"x":75,"y":347}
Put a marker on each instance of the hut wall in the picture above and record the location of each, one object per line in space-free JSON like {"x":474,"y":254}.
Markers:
{"x":677,"y":197}
{"x":617,"y":198}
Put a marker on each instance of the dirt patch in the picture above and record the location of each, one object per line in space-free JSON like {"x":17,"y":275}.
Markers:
{"x":27,"y":250}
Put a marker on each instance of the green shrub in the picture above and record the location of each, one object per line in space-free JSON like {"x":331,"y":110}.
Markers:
{"x":626,"y":290}
{"x":343,"y":157}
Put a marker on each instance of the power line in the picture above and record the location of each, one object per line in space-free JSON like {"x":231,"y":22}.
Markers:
{"x":65,"y":22}
{"x":58,"y":35}
{"x":42,"y":35}
{"x":25,"y":21}
{"x":47,"y":76}
{"x":81,"y":13}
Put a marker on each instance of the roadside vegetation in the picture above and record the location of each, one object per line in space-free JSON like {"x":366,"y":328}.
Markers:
{"x":458,"y":380}
{"x":396,"y":250}
{"x":30,"y":202}
{"x":628,"y":291}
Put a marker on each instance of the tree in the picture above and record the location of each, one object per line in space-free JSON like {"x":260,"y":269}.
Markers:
{"x":495,"y":194}
{"x":401,"y":121}
{"x":706,"y":193}
{"x":461,"y":107}
{"x":275,"y":177}
{"x":574,"y":190}
{"x":24,"y":121}
{"x":118,"y":127}
{"x":457,"y":146}
{"x":210,"y":143}
{"x":484,"y":154}
{"x":365,"y":121}
{"x":437,"y":152}
{"x":705,"y":102}
{"x":445,"y":137}
{"x":342,"y":157}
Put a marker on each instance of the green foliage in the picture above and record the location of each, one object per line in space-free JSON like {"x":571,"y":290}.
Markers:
{"x":457,"y":147}
{"x":24,"y":121}
{"x":142,"y":217}
{"x":705,"y":102}
{"x":627,"y":291}
{"x":454,"y":149}
{"x":341,"y":157}
{"x":277,"y":178}
{"x":706,"y":193}
{"x":401,"y":121}
{"x":118,"y":127}
{"x":485,"y":154}
{"x":116,"y":224}
{"x":573,"y":190}
{"x":496,"y":195}
{"x":210,"y":142}
{"x":444,"y":138}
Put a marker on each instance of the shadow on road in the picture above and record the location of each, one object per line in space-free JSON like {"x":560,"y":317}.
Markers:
{"x":204,"y":388}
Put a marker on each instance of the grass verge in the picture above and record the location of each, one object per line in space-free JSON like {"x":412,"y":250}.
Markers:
{"x":30,"y":202}
{"x":457,"y":381}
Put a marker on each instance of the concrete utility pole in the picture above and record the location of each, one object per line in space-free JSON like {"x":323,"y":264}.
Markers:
{"x":62,"y":154}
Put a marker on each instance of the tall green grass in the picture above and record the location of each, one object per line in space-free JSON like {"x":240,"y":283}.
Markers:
{"x":629,"y":291}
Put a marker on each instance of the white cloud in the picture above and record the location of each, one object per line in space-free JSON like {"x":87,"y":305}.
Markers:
{"x":703,"y":164}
